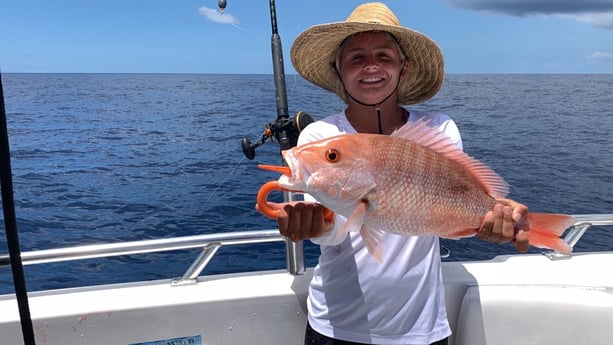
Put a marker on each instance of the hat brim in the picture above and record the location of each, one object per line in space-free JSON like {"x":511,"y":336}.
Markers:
{"x":314,"y":51}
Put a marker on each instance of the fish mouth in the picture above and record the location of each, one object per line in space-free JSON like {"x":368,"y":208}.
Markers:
{"x":292,"y":177}
{"x":296,"y":179}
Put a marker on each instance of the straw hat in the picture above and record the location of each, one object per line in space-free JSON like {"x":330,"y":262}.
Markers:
{"x":314,"y":51}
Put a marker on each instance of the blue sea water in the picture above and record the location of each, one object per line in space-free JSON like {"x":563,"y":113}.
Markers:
{"x":100,"y":158}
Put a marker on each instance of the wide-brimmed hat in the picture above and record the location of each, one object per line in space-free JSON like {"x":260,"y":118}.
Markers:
{"x":313,"y":53}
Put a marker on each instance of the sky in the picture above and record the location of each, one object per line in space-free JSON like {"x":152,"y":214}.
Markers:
{"x":185,"y":36}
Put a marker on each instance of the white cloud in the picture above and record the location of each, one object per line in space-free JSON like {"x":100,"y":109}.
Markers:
{"x":599,"y":56}
{"x":604,"y":20}
{"x":593,"y":12}
{"x":217,"y":17}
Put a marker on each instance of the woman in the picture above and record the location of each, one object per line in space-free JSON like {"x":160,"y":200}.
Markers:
{"x":376,"y":66}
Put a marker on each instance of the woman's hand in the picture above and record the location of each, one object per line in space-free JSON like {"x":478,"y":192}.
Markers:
{"x":301,"y":220}
{"x":506,"y":222}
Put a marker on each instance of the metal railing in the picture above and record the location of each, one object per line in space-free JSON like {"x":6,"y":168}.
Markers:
{"x":210,"y":244}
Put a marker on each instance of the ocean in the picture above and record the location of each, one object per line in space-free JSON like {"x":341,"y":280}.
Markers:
{"x":101,"y":158}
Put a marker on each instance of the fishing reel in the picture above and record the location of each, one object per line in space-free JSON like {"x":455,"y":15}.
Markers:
{"x":284,"y":131}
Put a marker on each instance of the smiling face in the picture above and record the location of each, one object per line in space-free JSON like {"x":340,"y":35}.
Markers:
{"x":370,"y":65}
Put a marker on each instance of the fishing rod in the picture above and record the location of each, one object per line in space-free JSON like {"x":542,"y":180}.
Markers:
{"x":10,"y":226}
{"x":284,"y":130}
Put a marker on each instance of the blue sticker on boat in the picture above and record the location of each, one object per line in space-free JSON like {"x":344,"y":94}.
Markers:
{"x":193,"y":340}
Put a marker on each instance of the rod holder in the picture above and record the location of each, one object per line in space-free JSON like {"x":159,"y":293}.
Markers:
{"x":191,"y":275}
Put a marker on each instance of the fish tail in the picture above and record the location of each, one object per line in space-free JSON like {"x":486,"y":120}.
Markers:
{"x":546,"y":228}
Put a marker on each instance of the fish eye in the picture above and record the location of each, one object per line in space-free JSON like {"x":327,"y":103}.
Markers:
{"x":332,"y":156}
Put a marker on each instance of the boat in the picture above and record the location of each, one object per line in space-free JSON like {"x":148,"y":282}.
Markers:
{"x":512,"y":299}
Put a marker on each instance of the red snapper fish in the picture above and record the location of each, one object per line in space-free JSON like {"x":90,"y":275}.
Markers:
{"x":415,"y":181}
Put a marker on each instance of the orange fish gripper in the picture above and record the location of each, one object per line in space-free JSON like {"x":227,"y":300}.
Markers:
{"x":262,"y":201}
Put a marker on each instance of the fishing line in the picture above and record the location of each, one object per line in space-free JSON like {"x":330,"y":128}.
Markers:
{"x":225,"y":179}
{"x":236,"y":26}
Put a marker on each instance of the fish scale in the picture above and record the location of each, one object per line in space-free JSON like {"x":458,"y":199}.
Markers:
{"x":425,"y":191}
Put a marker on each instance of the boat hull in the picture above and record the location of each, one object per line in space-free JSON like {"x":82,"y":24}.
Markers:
{"x":518,"y":299}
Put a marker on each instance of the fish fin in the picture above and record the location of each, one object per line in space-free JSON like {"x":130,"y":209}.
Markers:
{"x":545,"y":229}
{"x":354,"y":221}
{"x":373,"y":240}
{"x":460,"y":234}
{"x":426,"y":135}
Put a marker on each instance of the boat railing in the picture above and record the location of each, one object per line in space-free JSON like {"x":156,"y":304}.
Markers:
{"x":211,"y":243}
